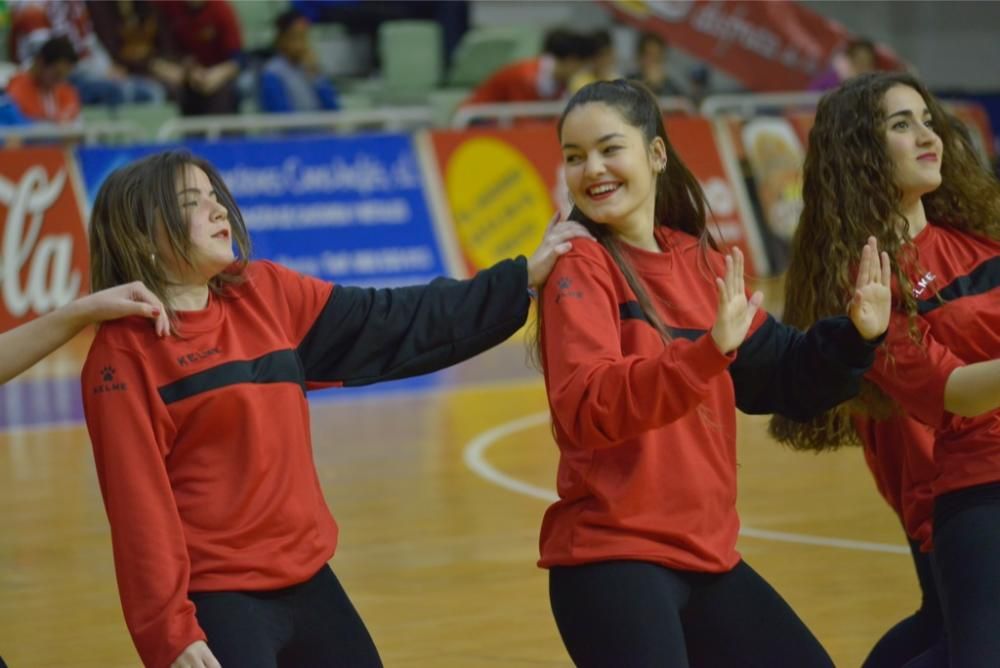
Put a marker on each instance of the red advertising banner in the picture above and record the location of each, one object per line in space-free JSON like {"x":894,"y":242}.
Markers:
{"x":43,"y":247}
{"x":767,"y":46}
{"x":501,"y":188}
{"x":694,"y":140}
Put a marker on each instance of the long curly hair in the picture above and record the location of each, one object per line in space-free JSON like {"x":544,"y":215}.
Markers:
{"x":680,"y":201}
{"x":849,"y":194}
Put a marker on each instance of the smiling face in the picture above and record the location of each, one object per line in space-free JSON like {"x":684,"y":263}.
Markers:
{"x":207,"y":220}
{"x":611,"y":168}
{"x":915,"y":149}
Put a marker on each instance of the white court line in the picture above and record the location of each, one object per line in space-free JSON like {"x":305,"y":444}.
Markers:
{"x":475,"y":459}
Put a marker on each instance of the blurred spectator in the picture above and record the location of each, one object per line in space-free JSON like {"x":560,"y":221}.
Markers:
{"x":544,"y":77}
{"x":10,"y":114}
{"x":651,"y":59}
{"x":603,"y":64}
{"x":41,"y":92}
{"x":208,"y":35}
{"x":96,"y":77}
{"x":699,"y":80}
{"x":857,"y":57}
{"x":291,"y":81}
{"x":130,"y":32}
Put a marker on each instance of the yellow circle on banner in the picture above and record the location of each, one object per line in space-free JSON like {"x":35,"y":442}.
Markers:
{"x":499,"y":203}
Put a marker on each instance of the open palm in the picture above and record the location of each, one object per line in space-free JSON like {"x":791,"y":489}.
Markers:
{"x":735,"y":312}
{"x":872,"y":302}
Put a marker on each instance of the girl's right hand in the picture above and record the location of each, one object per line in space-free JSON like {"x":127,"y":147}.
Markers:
{"x":735,"y":312}
{"x":196,"y":655}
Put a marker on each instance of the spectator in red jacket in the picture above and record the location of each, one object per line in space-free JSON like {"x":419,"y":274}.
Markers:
{"x":544,"y":77}
{"x":41,"y":92}
{"x":208,"y":35}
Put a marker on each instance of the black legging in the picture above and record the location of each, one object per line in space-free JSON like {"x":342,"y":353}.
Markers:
{"x":638,"y":614}
{"x":919,"y":635}
{"x":311,"y":625}
{"x":967,"y":567}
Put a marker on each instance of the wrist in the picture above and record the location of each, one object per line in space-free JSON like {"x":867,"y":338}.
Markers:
{"x":75,"y":315}
{"x":533,"y":282}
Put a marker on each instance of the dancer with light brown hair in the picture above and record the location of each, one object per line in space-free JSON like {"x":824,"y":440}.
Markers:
{"x":220,"y":532}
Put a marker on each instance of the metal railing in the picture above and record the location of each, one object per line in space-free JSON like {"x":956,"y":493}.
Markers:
{"x":748,"y":104}
{"x":90,"y":132}
{"x":505,"y":113}
{"x":212,"y":127}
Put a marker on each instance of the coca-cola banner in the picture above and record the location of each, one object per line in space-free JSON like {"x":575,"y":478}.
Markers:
{"x":767,"y":46}
{"x":43,"y":261}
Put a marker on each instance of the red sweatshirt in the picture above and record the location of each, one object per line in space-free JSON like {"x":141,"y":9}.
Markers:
{"x":961,"y":328}
{"x":900,"y":453}
{"x":209,"y":33}
{"x":202,"y":440}
{"x":647,"y":430}
{"x":528,"y":80}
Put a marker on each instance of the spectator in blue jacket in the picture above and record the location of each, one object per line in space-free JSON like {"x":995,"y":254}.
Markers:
{"x":290,"y":80}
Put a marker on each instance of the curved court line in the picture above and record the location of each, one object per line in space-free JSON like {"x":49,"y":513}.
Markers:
{"x":474,"y":457}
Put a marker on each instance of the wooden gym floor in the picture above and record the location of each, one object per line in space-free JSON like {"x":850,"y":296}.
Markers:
{"x":439,"y":494}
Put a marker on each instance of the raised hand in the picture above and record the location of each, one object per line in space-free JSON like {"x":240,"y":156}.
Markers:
{"x":555,"y":242}
{"x":196,"y":655}
{"x":872,"y":301}
{"x":735,"y":312}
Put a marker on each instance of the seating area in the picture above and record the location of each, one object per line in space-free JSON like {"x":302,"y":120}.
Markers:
{"x":411,"y":54}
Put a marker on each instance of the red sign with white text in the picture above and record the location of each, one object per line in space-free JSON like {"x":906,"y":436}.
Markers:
{"x":43,"y":243}
{"x":694,"y":140}
{"x":767,"y":46}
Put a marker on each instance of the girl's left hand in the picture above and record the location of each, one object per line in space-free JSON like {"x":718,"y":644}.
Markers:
{"x":872,"y":302}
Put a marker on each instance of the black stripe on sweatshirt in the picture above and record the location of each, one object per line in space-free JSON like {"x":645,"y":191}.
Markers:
{"x":280,"y":366}
{"x":632,"y":311}
{"x":981,"y":280}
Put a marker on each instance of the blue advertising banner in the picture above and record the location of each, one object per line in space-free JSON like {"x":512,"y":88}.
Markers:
{"x":351,"y":210}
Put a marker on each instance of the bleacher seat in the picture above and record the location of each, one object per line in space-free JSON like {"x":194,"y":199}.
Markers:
{"x":257,"y":22}
{"x":412,"y":60}
{"x":7,"y":70}
{"x":149,"y":117}
{"x":444,"y":102}
{"x":482,"y":51}
{"x":335,"y":49}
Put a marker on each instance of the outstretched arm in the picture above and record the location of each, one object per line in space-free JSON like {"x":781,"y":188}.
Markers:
{"x":781,"y":370}
{"x":365,"y":336}
{"x":23,"y":346}
{"x":974,"y":389}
